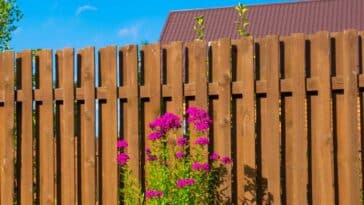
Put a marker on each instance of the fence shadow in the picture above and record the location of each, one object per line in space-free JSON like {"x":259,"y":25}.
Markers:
{"x":255,"y":188}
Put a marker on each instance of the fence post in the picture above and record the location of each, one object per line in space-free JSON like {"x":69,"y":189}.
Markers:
{"x":46,"y":137}
{"x":25,"y":125}
{"x":245,"y":166}
{"x":108,"y":118}
{"x":321,"y":124}
{"x":296,"y":159}
{"x":7,"y":127}
{"x":221,"y":81}
{"x":65,"y":74}
{"x":270,"y":123}
{"x":86,"y":142}
{"x":348,"y":142}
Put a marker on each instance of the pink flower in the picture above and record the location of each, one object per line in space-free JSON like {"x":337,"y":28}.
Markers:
{"x":180,"y":155}
{"x":122,"y":144}
{"x":226,"y":160}
{"x":166,"y":122}
{"x":200,"y":166}
{"x":182,"y":141}
{"x":202,"y":141}
{"x":155,"y":135}
{"x":151,"y":158}
{"x":153,"y":194}
{"x":199,"y":117}
{"x":185,"y":182}
{"x":214,"y":156}
{"x":123,"y":158}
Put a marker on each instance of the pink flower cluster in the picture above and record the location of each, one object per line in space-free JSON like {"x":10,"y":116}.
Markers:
{"x":185,"y":182}
{"x":182,"y":141}
{"x":150,"y":156}
{"x":200,"y":118}
{"x":202,"y":141}
{"x":225,"y":160}
{"x":200,"y":166}
{"x":163,"y":124}
{"x":153,"y":194}
{"x":180,"y":155}
{"x":122,"y":157}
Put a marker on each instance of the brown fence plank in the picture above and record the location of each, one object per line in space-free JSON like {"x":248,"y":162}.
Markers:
{"x":86,"y":61}
{"x":196,"y":73}
{"x":245,"y":123}
{"x":46,"y":137}
{"x":174,"y":77}
{"x":25,"y":127}
{"x":321,"y":127}
{"x":221,"y":74}
{"x":348,"y":134}
{"x":7,"y":128}
{"x":295,"y":121}
{"x":65,"y":69}
{"x":129,"y":72}
{"x":270,"y":125}
{"x":108,"y":119}
{"x":152,"y":83}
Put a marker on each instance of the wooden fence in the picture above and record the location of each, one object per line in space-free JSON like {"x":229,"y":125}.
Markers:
{"x":288,"y":110}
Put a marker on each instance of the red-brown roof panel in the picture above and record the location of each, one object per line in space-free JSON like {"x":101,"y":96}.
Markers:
{"x":270,"y":19}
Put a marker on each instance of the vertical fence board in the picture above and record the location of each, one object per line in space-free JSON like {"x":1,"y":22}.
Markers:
{"x":174,"y":77}
{"x":152,"y":85}
{"x":7,"y":128}
{"x":129,"y":72}
{"x":245,"y":123}
{"x":270,"y":125}
{"x":321,"y":124}
{"x":347,"y":139}
{"x":197,"y":77}
{"x":109,"y":182}
{"x":25,"y":127}
{"x":87,"y":153}
{"x":221,"y":75}
{"x":295,"y":121}
{"x":65,"y":75}
{"x":46,"y":137}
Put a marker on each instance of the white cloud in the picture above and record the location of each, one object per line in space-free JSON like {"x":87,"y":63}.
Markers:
{"x":131,"y":31}
{"x":85,"y":8}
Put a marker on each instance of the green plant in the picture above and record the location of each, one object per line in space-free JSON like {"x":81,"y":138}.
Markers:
{"x":199,"y":27}
{"x":9,"y":15}
{"x":177,"y":173}
{"x":242,"y":22}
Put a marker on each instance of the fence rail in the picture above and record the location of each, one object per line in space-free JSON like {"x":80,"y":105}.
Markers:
{"x":288,"y":110}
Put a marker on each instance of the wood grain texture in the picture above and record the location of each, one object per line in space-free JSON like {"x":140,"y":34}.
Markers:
{"x":25,"y":127}
{"x":46,"y":135}
{"x":7,"y":128}
{"x":270,"y":123}
{"x":321,"y":123}
{"x":109,"y":172}
{"x":129,"y":69}
{"x":221,"y":74}
{"x":86,"y":63}
{"x":348,"y":141}
{"x":295,"y":121}
{"x":174,"y":77}
{"x":197,"y":79}
{"x":65,"y":73}
{"x":246,"y":169}
{"x":152,"y":84}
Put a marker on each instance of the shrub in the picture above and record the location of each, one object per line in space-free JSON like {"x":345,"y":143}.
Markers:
{"x":176,"y":172}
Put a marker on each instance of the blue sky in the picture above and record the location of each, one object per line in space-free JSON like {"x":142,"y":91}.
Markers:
{"x":79,"y":23}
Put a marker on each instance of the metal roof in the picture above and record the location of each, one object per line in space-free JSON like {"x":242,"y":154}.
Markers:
{"x":268,"y":19}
